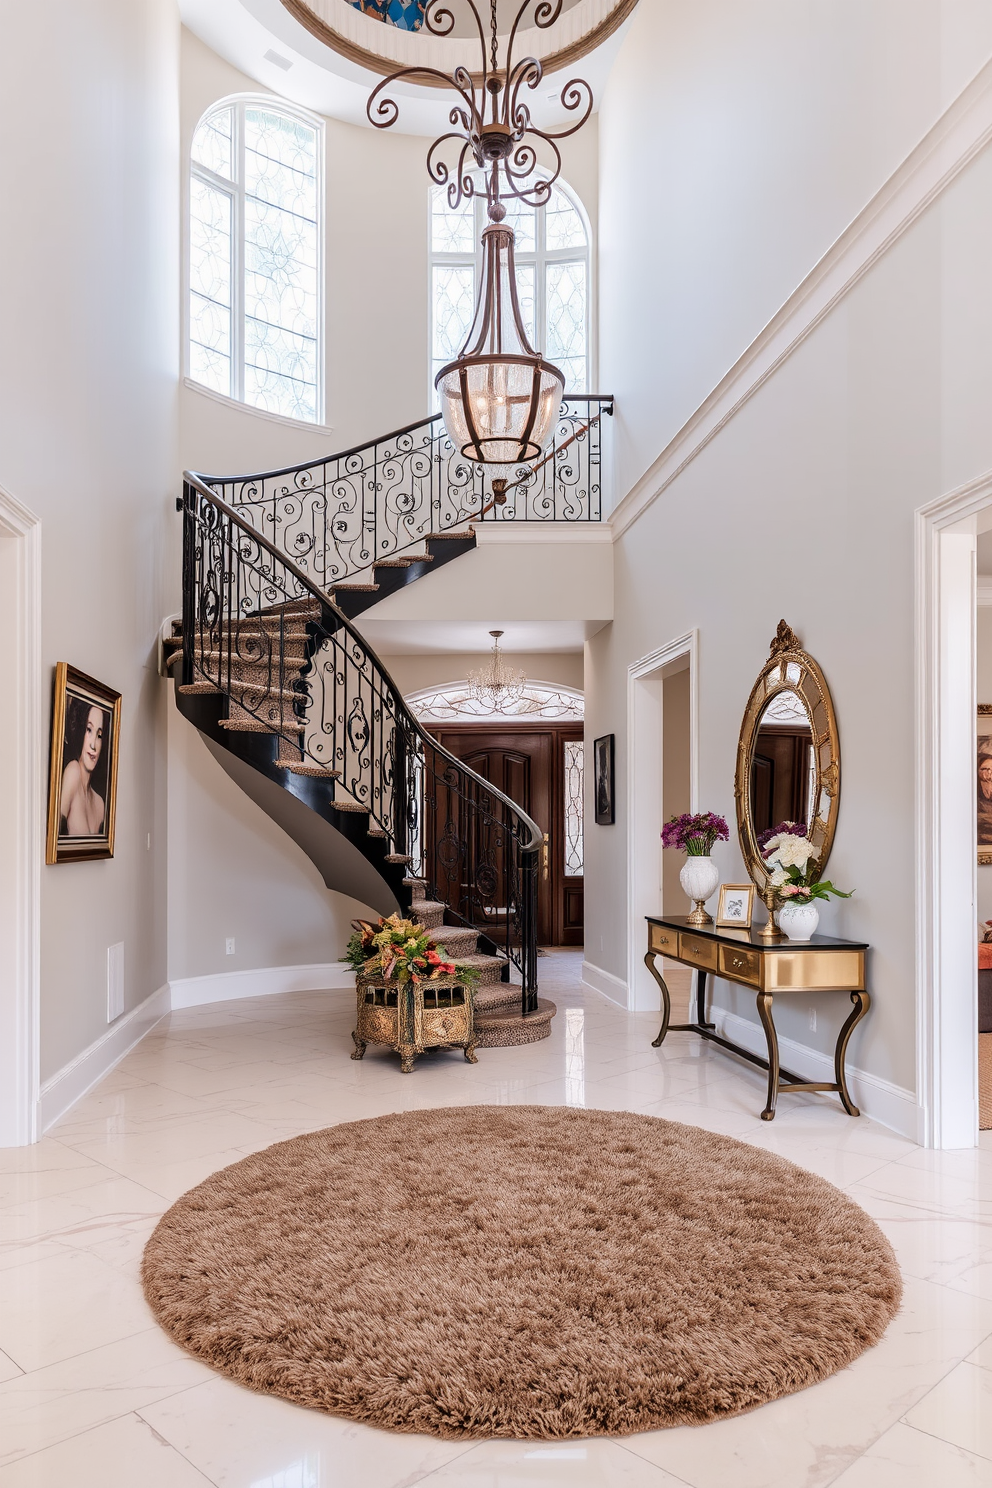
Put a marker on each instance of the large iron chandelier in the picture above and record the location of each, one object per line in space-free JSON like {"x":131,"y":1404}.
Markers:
{"x":499,"y":397}
{"x":497,"y":686}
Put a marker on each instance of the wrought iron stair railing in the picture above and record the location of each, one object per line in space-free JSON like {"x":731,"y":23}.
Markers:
{"x":336,"y":517}
{"x":257,"y":629}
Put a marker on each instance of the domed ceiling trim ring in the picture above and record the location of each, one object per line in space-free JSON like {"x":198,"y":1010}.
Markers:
{"x":374,"y":62}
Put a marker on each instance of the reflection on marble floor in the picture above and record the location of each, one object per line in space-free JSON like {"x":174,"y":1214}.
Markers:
{"x":93,"y":1395}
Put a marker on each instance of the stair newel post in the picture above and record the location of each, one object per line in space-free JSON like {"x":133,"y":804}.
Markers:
{"x":528,"y":931}
{"x":189,"y":580}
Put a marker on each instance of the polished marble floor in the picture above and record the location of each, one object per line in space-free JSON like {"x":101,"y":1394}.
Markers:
{"x":93,"y":1395}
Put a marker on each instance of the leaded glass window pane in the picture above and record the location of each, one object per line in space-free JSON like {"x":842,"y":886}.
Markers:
{"x":525,"y":297}
{"x":453,"y":299}
{"x":574,"y":843}
{"x":213,"y":144}
{"x":210,"y":286}
{"x":562,"y":224}
{"x":280,"y":265}
{"x":566,"y":301}
{"x":523,"y":220}
{"x":451,"y":232}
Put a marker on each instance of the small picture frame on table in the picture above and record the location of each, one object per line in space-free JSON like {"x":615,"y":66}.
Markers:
{"x":82,"y":790}
{"x":603,"y":773}
{"x":736,"y":907}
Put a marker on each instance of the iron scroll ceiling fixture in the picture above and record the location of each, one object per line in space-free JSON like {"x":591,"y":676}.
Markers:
{"x":499,"y":397}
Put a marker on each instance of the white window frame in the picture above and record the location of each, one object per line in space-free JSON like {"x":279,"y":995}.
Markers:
{"x":235,"y":191}
{"x":539,"y":257}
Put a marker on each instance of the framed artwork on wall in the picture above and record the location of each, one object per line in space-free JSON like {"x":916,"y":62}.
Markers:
{"x":82,"y":788}
{"x":984,"y":784}
{"x":603,"y":771}
{"x":735,"y":907}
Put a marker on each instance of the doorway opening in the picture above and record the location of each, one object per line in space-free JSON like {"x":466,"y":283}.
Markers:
{"x":661,"y":782}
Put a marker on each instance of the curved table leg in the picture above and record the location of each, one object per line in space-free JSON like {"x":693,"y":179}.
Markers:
{"x":862,"y":1002}
{"x":771,"y":1037}
{"x":666,"y":1001}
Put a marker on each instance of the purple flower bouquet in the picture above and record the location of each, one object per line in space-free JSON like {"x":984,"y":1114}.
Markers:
{"x":695,"y":835}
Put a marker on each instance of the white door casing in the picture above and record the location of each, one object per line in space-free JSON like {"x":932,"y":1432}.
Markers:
{"x":22,"y":811}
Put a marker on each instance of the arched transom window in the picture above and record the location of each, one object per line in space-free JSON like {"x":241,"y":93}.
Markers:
{"x":254,"y":258}
{"x":552,"y":254}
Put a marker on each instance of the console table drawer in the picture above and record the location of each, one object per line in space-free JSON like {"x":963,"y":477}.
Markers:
{"x":697,"y":951}
{"x":665,"y":941}
{"x":740,"y":965}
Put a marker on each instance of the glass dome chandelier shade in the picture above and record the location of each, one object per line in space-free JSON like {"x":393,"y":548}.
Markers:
{"x":497,"y":687}
{"x":500,"y":399}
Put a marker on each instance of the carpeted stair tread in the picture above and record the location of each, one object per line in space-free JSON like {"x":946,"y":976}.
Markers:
{"x":506,"y":1028}
{"x":317,"y":772}
{"x":256,"y":726}
{"x":350,"y":806}
{"x":398,"y":858}
{"x":199,"y":687}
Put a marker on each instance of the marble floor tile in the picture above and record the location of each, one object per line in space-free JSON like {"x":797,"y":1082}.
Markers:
{"x":904,"y":1458}
{"x":50,"y":1405}
{"x":959,"y":1410}
{"x":596,"y":1463}
{"x":236,"y":1439}
{"x":125,"y":1453}
{"x":65,"y":1304}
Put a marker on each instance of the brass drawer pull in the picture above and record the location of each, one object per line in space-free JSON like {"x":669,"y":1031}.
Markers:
{"x":738,"y":963}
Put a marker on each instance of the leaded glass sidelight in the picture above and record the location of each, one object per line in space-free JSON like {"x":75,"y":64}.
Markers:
{"x":254,"y":265}
{"x":552,"y":256}
{"x":574,"y":764}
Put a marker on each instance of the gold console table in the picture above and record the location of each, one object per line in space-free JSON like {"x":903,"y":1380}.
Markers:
{"x":768,"y":968}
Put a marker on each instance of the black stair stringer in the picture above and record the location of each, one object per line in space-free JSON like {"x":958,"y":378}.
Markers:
{"x":336,"y":842}
{"x":391,"y":576}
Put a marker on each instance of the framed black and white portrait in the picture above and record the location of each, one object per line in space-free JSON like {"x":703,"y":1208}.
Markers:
{"x":603,"y":770}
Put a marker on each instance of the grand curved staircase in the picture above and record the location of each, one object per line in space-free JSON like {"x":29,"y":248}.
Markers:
{"x":301,"y":713}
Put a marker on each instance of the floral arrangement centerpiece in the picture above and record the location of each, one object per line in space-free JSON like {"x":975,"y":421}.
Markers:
{"x":695,"y":834}
{"x":791,"y":865}
{"x":401,"y":950}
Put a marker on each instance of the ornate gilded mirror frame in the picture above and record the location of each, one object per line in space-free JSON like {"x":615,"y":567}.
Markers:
{"x":790,"y":669}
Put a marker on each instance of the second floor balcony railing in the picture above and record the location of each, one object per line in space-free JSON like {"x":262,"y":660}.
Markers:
{"x":336,"y":517}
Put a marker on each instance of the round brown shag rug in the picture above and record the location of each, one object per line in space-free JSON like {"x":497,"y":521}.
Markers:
{"x":521,"y":1271}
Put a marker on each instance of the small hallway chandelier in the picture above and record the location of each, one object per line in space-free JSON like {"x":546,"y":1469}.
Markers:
{"x":499,"y":397}
{"x":497,"y":687}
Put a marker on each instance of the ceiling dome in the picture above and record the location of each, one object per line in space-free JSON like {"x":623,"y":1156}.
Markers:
{"x":383,"y":35}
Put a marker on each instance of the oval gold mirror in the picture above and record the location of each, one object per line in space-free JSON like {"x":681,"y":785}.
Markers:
{"x":788,"y":755}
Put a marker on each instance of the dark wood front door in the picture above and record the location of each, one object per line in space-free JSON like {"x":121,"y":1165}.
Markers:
{"x":528,"y":765}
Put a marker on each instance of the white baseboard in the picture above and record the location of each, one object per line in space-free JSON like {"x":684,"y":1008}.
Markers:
{"x":264,"y":981}
{"x":71,"y":1083}
{"x":605,"y":983}
{"x":890,"y":1105}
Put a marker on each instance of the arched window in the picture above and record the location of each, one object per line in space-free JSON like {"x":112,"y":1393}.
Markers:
{"x":254,"y":258}
{"x":552,"y":254}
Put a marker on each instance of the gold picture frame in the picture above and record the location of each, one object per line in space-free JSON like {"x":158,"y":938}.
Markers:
{"x":983,"y":758}
{"x":82,"y":785}
{"x":731,"y":896}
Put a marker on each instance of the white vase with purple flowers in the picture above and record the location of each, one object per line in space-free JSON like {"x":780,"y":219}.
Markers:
{"x":792,"y":868}
{"x":695,"y":834}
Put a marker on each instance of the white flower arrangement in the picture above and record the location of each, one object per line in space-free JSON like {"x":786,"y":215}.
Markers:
{"x":791,"y":864}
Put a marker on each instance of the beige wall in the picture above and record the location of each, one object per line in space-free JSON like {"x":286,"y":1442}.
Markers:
{"x":802,"y":504}
{"x":88,"y":388}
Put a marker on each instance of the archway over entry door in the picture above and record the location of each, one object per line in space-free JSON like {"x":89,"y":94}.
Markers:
{"x":22,"y":814}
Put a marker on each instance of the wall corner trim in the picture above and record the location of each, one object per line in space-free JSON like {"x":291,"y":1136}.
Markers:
{"x":961,"y":133}
{"x":605,"y":983}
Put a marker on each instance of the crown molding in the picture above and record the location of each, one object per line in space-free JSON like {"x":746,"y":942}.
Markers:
{"x":961,"y":133}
